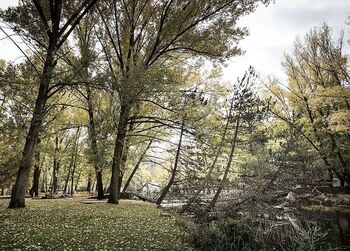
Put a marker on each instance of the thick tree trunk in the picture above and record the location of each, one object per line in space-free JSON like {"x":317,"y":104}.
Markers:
{"x":124,"y":159}
{"x":123,"y":164}
{"x":25,"y":164}
{"x":127,"y":183}
{"x":99,"y":185}
{"x":173,"y":173}
{"x":118,"y":153}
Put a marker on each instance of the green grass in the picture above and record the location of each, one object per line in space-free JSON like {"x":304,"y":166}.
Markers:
{"x":70,"y":225}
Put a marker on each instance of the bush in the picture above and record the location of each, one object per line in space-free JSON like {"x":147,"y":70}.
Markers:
{"x":247,"y":233}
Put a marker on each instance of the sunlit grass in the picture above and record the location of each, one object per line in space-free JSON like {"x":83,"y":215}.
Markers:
{"x":70,"y":225}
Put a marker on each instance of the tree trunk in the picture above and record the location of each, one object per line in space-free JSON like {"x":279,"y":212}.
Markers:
{"x":218,"y":151}
{"x":137,"y":166}
{"x":65,"y":189}
{"x":77,"y":181}
{"x":123,"y":164}
{"x":173,"y":173}
{"x":336,"y":152}
{"x":34,"y":191}
{"x":25,"y":164}
{"x":118,"y":153}
{"x":88,"y":186}
{"x":72,"y":178}
{"x":124,"y":159}
{"x":330,"y":173}
{"x":56,"y":166}
{"x":66,"y":183}
{"x":74,"y":161}
{"x":94,"y":148}
{"x":45,"y":181}
{"x":99,"y":185}
{"x":321,"y":151}
{"x":228,"y":166}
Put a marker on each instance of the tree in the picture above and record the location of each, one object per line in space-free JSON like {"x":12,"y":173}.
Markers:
{"x":147,"y":35}
{"x":47,"y":27}
{"x":316,"y":96}
{"x":246,"y":107}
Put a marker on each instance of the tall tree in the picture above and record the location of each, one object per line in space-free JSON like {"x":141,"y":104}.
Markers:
{"x":44,"y":24}
{"x":146,"y":35}
{"x":246,"y":108}
{"x":316,"y":98}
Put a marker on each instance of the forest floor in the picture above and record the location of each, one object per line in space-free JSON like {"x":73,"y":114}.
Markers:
{"x":66,"y":224}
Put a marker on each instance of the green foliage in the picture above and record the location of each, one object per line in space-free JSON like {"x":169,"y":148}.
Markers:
{"x":315,"y":101}
{"x":247,"y":233}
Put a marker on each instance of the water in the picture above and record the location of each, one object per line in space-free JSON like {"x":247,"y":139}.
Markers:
{"x":335,"y":220}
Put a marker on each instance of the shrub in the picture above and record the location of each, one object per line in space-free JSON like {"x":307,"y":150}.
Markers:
{"x":247,"y":233}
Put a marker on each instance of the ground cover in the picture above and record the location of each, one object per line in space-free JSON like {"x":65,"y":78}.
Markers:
{"x":67,"y":224}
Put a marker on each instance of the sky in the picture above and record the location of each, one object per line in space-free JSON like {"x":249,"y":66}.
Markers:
{"x":272,"y":29}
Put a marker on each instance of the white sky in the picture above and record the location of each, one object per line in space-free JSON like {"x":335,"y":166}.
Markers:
{"x":273,"y":31}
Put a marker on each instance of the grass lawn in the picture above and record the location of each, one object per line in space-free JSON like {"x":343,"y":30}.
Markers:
{"x":66,"y":224}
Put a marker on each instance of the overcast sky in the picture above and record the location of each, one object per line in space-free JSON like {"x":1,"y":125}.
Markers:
{"x":272,"y":32}
{"x":274,"y":29}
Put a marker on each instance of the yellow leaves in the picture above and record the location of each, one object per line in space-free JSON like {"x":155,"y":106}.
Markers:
{"x":276,"y":145}
{"x":70,"y":225}
{"x":330,"y":96}
{"x":340,"y":121}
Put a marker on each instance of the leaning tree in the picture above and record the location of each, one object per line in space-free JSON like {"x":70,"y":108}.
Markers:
{"x":44,"y":25}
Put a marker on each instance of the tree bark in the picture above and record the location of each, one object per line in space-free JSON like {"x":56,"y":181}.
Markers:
{"x":66,"y":182}
{"x":123,"y":164}
{"x":25,"y":164}
{"x":34,"y":191}
{"x":89,"y":181}
{"x":173,"y":173}
{"x":94,"y":148}
{"x":57,"y":33}
{"x":124,"y":159}
{"x":118,"y":153}
{"x":68,"y":174}
{"x":77,"y":181}
{"x":127,"y":183}
{"x":74,"y":162}
{"x":72,"y":178}
{"x":56,"y":166}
